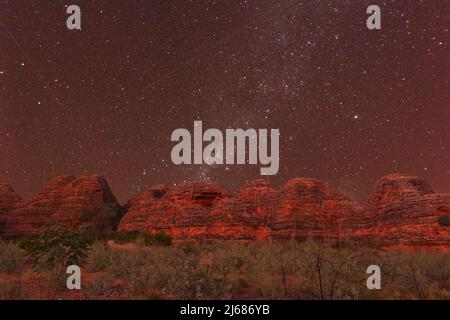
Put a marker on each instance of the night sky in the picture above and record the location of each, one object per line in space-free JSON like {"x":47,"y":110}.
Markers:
{"x":351,"y":104}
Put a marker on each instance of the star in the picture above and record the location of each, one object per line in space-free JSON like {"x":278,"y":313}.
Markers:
{"x":342,"y":96}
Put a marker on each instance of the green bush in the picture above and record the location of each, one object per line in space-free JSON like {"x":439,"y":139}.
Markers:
{"x":123,"y":237}
{"x":444,"y":221}
{"x":58,"y":247}
{"x":158,"y":239}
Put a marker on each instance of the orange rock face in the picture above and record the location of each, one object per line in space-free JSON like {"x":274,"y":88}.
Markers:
{"x":310,"y":208}
{"x":63,"y":200}
{"x":205,"y":211}
{"x":402,"y":212}
{"x":184,"y":212}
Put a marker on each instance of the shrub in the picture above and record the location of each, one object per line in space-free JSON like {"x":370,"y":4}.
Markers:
{"x":158,"y":239}
{"x":190,"y":248}
{"x":190,"y":280}
{"x":145,"y":270}
{"x":444,"y":221}
{"x":232,"y":270}
{"x":140,"y":279}
{"x":11,"y":257}
{"x":57,"y":247}
{"x":211,"y":272}
{"x":99,"y":257}
{"x":124,"y":237}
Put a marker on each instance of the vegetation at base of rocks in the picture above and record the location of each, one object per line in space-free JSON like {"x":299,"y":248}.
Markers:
{"x":99,"y":257}
{"x":263,"y":270}
{"x":444,"y":221}
{"x":54,"y":249}
{"x":123,"y":237}
{"x":257,"y":270}
{"x":11,"y":257}
{"x":157,"y":239}
{"x":58,"y":246}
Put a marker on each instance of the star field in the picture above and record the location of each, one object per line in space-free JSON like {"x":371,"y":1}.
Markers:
{"x":351,"y":104}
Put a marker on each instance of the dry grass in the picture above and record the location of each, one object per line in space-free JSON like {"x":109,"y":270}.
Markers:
{"x":260,"y":270}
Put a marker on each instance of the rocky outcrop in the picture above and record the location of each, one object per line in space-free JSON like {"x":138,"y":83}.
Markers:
{"x":310,"y":208}
{"x":183,"y":212}
{"x":202,"y":211}
{"x":402,"y":212}
{"x":64,"y":200}
{"x":245,"y":215}
{"x":205,"y":211}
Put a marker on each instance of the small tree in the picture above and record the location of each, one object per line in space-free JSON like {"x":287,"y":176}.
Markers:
{"x":56,"y":248}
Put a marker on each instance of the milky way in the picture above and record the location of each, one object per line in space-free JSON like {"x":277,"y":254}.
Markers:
{"x":351,"y":104}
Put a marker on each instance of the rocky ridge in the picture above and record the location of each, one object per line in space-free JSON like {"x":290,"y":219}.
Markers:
{"x":402,"y":211}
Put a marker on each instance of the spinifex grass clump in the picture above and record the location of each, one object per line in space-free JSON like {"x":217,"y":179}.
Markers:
{"x":11,"y":257}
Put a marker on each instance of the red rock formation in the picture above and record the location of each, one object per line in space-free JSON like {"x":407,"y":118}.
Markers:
{"x":402,"y":212}
{"x":204,"y":211}
{"x":310,"y":208}
{"x":246,"y":215}
{"x":139,"y":208}
{"x":63,"y":200}
{"x":183,"y":212}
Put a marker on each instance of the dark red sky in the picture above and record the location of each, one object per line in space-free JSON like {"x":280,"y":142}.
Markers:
{"x":351,"y":104}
